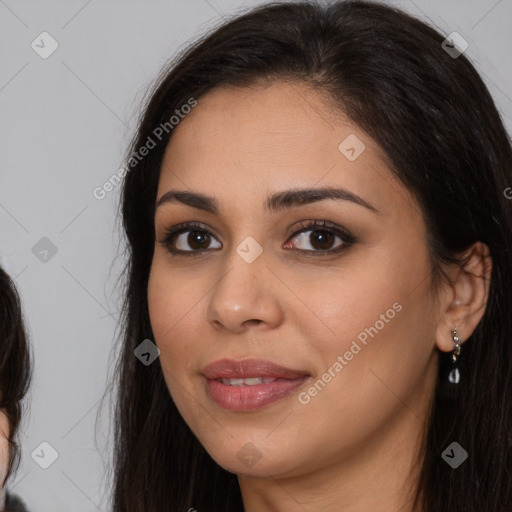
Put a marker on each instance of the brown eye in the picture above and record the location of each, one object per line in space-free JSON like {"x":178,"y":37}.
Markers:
{"x":197,"y":240}
{"x":188,"y":238}
{"x":322,"y":238}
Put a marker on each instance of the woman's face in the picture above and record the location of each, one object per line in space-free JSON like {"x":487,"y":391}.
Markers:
{"x":356,"y":325}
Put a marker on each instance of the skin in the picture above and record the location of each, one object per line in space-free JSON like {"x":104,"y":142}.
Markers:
{"x":353,"y":446}
{"x":4,"y":454}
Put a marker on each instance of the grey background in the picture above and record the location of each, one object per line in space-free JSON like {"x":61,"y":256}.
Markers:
{"x":65,"y":124}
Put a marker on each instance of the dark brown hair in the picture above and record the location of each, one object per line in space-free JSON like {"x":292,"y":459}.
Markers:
{"x":15,"y":365}
{"x":443,"y":136}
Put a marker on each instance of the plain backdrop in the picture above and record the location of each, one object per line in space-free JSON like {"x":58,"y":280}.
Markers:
{"x":65,"y":122}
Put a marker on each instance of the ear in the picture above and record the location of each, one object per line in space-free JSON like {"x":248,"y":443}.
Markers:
{"x":463,"y":301}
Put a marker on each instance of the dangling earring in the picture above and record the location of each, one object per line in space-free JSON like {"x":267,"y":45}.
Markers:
{"x":454,"y":375}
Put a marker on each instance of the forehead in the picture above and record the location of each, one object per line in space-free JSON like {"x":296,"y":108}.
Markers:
{"x":254,"y":140}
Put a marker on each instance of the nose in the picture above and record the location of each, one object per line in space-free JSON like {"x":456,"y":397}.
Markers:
{"x":246,"y":296}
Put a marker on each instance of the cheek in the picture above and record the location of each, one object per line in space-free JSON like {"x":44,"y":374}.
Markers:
{"x":359,"y":304}
{"x":174,"y":304}
{"x":381,"y":324}
{"x":170,"y":299}
{"x":380,"y":375}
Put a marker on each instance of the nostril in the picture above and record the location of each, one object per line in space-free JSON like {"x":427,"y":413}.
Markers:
{"x":255,"y":321}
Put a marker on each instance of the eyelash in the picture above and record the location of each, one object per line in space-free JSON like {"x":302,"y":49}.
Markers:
{"x":347,"y":238}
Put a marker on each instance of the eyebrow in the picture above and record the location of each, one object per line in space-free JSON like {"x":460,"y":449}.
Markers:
{"x":274,"y":203}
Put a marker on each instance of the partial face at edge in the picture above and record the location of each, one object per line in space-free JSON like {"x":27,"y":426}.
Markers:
{"x":4,"y":452}
{"x":313,"y":306}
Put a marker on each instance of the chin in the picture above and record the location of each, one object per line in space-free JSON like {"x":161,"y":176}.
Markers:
{"x":261,"y":469}
{"x":253,"y":459}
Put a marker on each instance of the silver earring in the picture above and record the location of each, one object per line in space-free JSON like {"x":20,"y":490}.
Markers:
{"x":454,"y":375}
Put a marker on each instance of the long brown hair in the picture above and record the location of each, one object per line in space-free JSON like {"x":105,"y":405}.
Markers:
{"x":445,"y":140}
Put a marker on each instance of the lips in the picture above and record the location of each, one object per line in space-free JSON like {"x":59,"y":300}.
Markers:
{"x":251,"y":383}
{"x":249,"y":368}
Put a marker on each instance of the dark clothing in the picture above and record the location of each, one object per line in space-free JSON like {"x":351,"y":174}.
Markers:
{"x":14,"y":504}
